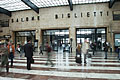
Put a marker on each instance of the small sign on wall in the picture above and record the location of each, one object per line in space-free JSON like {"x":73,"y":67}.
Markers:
{"x":116,"y":15}
{"x":7,"y":36}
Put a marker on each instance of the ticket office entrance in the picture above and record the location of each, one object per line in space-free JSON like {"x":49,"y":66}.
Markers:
{"x":96,"y":35}
{"x":55,"y":37}
{"x":21,"y":37}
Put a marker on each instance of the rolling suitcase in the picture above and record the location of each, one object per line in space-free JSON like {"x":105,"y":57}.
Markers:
{"x":78,"y":58}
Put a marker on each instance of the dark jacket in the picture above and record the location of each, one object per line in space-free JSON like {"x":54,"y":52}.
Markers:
{"x":106,"y":47}
{"x":4,"y":59}
{"x":28,"y":49}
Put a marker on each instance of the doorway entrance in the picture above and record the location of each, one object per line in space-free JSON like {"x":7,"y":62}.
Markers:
{"x":22,"y":36}
{"x":54,"y":37}
{"x":96,"y":35}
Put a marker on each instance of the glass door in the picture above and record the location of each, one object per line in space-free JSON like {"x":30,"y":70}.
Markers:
{"x":22,"y":36}
{"x":101,"y":38}
{"x":54,"y":37}
{"x":116,"y":41}
{"x":95,"y":35}
{"x":89,"y":34}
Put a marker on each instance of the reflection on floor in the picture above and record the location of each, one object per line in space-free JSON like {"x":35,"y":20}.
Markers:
{"x":97,"y":68}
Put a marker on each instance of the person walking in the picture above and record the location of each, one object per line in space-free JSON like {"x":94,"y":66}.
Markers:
{"x":18,"y":48}
{"x":78,"y":54}
{"x":28,"y":49}
{"x":4,"y":58}
{"x":119,"y":53}
{"x":106,"y":49}
{"x":49,"y":55}
{"x":93,"y":47}
{"x":85,"y":47}
{"x":41,"y":52}
{"x":22,"y":50}
{"x":11,"y":51}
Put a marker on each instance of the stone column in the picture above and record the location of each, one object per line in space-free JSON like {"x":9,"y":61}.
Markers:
{"x":72,"y":34}
{"x":110,"y":38}
{"x":12,"y":36}
{"x":39,"y":38}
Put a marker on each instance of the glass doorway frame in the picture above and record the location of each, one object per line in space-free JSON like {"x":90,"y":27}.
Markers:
{"x":96,"y":35}
{"x":61,"y":35}
{"x":33,"y":39}
{"x":116,"y":46}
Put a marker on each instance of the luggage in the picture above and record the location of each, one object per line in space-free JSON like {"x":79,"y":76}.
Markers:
{"x":78,"y":58}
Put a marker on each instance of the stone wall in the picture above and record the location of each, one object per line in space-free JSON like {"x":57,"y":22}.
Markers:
{"x":4,"y":30}
{"x":82,"y":16}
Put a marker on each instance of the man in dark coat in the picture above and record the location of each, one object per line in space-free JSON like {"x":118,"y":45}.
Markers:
{"x":106,"y":49}
{"x":28,"y":49}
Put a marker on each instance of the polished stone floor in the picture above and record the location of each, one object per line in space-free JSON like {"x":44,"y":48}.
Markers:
{"x":65,"y":68}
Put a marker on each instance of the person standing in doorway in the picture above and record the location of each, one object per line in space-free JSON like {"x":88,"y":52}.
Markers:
{"x":28,"y":49}
{"x":49,"y":54}
{"x":11,"y":51}
{"x":85,"y":47}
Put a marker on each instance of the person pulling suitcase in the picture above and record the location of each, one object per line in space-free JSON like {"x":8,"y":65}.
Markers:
{"x":78,"y":54}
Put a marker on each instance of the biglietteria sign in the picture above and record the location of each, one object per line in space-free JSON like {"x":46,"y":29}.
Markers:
{"x":77,"y":15}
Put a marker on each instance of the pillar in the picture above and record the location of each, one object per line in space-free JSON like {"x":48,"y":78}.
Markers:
{"x":39,"y":37}
{"x":72,"y":34}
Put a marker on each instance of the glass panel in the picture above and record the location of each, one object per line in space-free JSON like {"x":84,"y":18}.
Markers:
{"x":97,"y":36}
{"x":53,"y":37}
{"x":100,"y":30}
{"x":21,"y":37}
{"x":13,"y":5}
{"x":117,"y":39}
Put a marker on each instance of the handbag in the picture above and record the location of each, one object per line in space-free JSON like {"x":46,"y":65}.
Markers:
{"x":32,"y":60}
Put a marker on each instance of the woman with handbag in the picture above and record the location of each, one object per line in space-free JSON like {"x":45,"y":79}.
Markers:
{"x":78,"y":54}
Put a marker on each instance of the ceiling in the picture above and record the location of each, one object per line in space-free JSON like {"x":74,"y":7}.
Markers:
{"x":15,"y":5}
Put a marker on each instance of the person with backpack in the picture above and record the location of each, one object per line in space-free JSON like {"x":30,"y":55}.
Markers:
{"x":49,"y":55}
